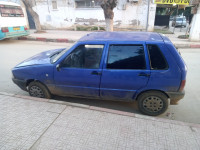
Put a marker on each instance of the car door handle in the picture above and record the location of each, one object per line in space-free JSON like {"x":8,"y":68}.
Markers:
{"x":95,"y":73}
{"x":143,"y":74}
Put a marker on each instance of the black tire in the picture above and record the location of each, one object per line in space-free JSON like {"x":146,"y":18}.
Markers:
{"x":152,"y":103}
{"x":36,"y":89}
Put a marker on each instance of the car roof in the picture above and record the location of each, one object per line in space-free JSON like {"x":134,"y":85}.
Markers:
{"x":122,"y":36}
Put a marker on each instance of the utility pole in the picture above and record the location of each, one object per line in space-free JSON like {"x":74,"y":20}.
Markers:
{"x":175,"y":19}
{"x":147,"y":22}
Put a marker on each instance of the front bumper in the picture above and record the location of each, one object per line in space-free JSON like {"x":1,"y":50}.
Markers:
{"x":20,"y":83}
{"x":175,"y":97}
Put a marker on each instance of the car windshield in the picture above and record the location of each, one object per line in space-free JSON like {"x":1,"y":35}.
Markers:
{"x":56,"y":56}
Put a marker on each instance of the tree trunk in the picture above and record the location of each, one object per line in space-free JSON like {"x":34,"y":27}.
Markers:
{"x":195,"y":27}
{"x":108,"y":6}
{"x":109,"y":24}
{"x":35,"y":16}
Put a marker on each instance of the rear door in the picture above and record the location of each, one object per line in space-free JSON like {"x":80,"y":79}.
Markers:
{"x":126,"y":70}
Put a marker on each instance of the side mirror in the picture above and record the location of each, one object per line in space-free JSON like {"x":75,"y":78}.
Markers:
{"x":58,"y":67}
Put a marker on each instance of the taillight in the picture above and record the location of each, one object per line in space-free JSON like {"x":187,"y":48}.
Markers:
{"x":25,"y":28}
{"x":4,"y":29}
{"x":182,"y":85}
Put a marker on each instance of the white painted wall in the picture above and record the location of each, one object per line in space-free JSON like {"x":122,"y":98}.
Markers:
{"x":127,"y":15}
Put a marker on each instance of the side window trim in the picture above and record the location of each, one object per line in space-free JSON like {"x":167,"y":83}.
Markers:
{"x":167,"y":65}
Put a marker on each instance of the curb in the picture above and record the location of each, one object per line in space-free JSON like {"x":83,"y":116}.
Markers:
{"x":30,"y":38}
{"x":187,"y":45}
{"x":118,"y":112}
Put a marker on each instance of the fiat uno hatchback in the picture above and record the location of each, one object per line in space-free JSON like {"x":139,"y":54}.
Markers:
{"x":121,"y":66}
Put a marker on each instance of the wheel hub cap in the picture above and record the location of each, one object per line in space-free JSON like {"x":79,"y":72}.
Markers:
{"x":36,"y":92}
{"x":153,"y":104}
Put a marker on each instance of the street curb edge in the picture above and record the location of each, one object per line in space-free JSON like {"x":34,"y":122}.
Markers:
{"x":30,"y":38}
{"x":65,"y":40}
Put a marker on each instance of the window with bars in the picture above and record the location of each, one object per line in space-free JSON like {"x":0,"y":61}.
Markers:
{"x":54,"y":5}
{"x":88,"y":3}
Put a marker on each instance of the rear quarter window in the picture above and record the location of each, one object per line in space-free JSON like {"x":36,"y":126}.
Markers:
{"x":157,"y":59}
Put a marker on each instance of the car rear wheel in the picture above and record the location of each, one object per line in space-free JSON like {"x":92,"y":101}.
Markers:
{"x":37,"y":89}
{"x":153,"y":103}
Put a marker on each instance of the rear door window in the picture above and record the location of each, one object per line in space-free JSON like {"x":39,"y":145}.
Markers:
{"x":157,"y":59}
{"x":126,"y":57}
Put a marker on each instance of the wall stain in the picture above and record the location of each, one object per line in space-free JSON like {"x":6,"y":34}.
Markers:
{"x":90,"y":21}
{"x":134,"y":22}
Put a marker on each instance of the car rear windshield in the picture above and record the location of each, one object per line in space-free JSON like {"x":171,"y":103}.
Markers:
{"x":180,"y":19}
{"x":11,"y":11}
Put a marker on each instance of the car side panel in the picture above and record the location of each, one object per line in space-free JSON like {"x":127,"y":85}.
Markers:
{"x":41,"y":73}
{"x":178,"y":58}
{"x":164,"y":80}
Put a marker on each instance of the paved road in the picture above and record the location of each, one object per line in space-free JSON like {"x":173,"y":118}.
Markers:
{"x":13,"y":52}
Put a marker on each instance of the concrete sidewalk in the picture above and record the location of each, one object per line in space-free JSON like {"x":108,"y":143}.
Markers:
{"x":73,"y":36}
{"x":33,"y":123}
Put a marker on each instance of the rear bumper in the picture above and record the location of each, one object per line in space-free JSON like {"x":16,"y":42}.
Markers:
{"x":20,"y":83}
{"x":16,"y":34}
{"x":175,"y":97}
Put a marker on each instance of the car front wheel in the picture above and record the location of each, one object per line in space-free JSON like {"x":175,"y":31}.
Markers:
{"x":37,"y":89}
{"x":153,"y":103}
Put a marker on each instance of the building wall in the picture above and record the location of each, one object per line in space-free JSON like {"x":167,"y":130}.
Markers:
{"x":129,"y":15}
{"x":195,"y":27}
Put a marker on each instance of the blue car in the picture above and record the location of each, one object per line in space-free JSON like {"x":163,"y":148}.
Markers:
{"x":121,"y":66}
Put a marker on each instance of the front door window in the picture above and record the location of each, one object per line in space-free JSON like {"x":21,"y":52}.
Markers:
{"x":84,"y":56}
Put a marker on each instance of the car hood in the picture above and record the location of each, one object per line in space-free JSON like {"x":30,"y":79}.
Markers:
{"x":41,"y":58}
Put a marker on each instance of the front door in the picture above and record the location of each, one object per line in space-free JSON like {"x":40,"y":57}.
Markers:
{"x":126,"y":71}
{"x":80,"y":72}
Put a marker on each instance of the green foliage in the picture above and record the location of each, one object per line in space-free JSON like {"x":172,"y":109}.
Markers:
{"x":89,"y":28}
{"x":102,"y":28}
{"x":183,"y":36}
{"x":82,"y":28}
{"x":94,"y":28}
{"x":163,"y":31}
{"x":186,"y":12}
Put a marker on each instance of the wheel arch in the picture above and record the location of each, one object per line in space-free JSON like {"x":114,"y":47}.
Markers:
{"x":154,"y":90}
{"x":34,"y":80}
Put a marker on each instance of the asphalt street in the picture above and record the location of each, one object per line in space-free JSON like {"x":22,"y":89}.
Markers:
{"x":13,"y":52}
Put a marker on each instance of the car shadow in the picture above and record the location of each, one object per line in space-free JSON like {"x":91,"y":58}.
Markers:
{"x":115,"y":105}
